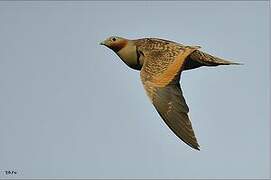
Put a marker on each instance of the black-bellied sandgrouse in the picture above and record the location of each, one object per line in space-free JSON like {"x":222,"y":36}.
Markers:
{"x":160,"y":63}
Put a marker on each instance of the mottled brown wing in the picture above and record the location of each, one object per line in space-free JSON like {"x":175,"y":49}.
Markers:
{"x":164,"y":90}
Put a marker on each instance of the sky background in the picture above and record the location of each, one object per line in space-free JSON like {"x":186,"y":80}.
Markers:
{"x":70,"y":108}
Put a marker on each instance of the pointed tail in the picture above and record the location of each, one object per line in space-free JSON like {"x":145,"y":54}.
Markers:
{"x":209,"y":60}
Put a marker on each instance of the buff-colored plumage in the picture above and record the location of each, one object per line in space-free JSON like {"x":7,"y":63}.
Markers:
{"x":160,"y":63}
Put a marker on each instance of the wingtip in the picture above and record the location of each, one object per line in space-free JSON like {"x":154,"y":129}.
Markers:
{"x":196,"y":148}
{"x":238,"y":63}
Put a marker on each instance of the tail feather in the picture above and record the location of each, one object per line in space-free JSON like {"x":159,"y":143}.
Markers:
{"x":199,"y":58}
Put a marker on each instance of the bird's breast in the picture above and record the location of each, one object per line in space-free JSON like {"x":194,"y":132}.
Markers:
{"x":130,"y":57}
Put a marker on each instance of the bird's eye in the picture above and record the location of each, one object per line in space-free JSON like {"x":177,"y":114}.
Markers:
{"x":113,"y":39}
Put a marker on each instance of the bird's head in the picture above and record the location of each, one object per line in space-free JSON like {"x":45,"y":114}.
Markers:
{"x":115,"y":43}
{"x":125,"y":49}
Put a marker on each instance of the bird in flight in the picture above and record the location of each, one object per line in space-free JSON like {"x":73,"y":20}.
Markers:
{"x":161,"y":63}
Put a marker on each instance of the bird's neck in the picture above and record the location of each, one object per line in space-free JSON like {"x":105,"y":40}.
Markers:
{"x":129,"y":56}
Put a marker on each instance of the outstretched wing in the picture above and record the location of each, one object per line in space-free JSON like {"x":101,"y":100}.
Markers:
{"x":160,"y":75}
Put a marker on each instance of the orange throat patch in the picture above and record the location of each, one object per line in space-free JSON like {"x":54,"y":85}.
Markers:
{"x":118,"y":46}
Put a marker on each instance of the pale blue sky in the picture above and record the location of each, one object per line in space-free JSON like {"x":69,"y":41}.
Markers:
{"x":71,"y":108}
